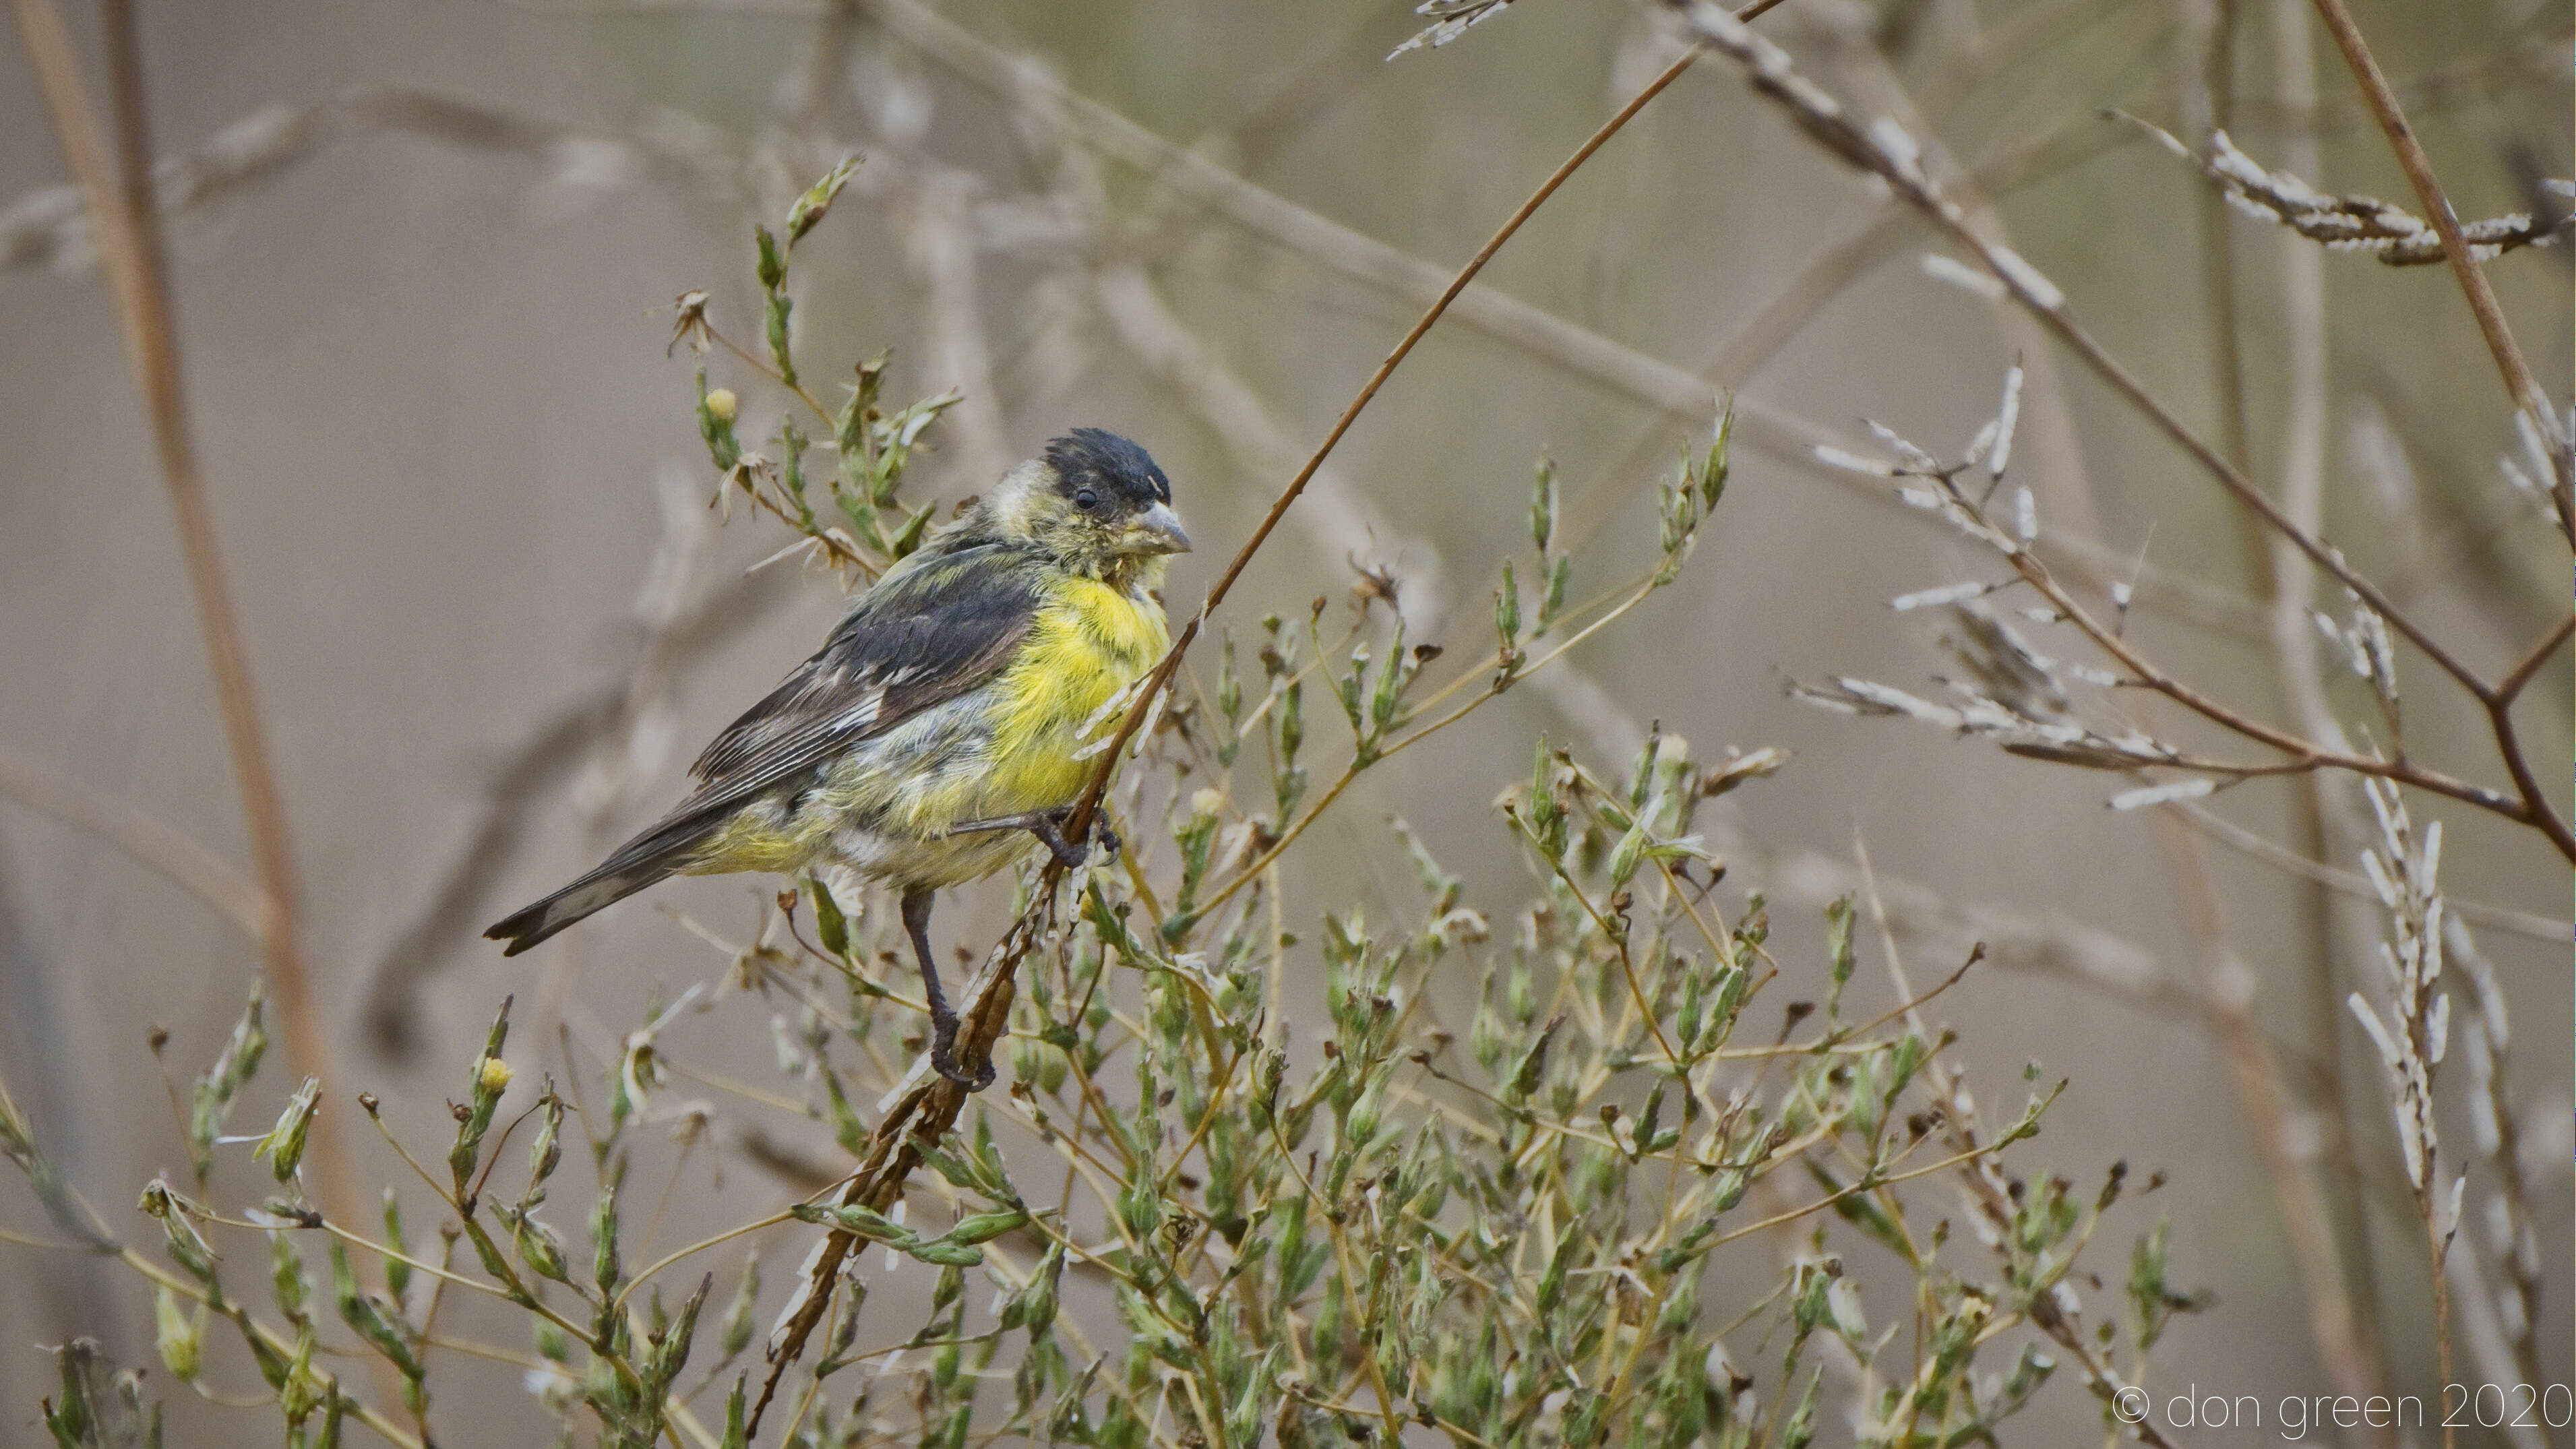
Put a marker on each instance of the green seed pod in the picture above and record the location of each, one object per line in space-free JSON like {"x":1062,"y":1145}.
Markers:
{"x":944,"y":1254}
{"x":605,"y":1267}
{"x":1543,"y":506}
{"x":736,"y":1435}
{"x":397,"y":1272}
{"x":301,"y":1391}
{"x":181,"y":1337}
{"x":1391,"y":679}
{"x":547,"y":1150}
{"x":540,"y":1247}
{"x":1712,"y":476}
{"x":734,"y":1334}
{"x":1625,"y":856}
{"x":810,"y":208}
{"x":286,"y":1277}
{"x":1038,"y":1304}
{"x":984,"y":1227}
{"x":284,"y":1144}
{"x":186,"y":1246}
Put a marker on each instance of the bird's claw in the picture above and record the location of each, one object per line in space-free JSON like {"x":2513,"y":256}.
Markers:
{"x":943,"y":1058}
{"x":1072,"y":855}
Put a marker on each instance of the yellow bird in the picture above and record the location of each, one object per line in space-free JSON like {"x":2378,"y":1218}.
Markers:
{"x":950,"y":717}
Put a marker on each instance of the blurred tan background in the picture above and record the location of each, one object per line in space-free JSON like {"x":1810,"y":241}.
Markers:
{"x":446,"y":446}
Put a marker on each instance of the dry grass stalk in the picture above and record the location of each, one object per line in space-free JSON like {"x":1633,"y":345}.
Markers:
{"x":124,"y":214}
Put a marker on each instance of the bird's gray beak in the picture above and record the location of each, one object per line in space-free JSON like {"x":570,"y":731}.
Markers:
{"x":1156,"y":530}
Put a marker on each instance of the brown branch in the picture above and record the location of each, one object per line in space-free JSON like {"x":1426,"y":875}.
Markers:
{"x":2519,"y":383}
{"x":127,"y":220}
{"x":2510,"y":687}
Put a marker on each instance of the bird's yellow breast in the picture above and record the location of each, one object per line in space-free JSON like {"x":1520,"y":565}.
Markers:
{"x":1088,"y":642}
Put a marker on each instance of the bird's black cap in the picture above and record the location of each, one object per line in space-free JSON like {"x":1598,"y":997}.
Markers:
{"x":1094,"y":458}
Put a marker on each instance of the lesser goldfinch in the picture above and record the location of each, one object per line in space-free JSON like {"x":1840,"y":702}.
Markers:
{"x":945,"y":721}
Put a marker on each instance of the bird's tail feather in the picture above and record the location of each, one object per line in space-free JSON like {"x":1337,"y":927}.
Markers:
{"x":652,"y":856}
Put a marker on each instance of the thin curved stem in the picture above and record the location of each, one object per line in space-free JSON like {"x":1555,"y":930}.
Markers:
{"x":117,"y":189}
{"x":2519,"y":382}
{"x":1161,"y":678}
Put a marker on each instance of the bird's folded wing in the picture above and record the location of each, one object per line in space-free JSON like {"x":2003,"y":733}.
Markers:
{"x":919,"y":637}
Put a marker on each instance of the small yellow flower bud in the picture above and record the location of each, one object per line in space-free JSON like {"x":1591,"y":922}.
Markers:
{"x":723,"y":404}
{"x":1207,"y":804}
{"x":494,"y":1075}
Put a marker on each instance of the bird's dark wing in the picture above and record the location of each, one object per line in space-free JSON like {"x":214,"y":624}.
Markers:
{"x":915,"y":640}
{"x":919,"y":637}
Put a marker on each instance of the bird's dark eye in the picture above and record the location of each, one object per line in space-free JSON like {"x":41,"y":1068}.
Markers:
{"x":1086,"y":500}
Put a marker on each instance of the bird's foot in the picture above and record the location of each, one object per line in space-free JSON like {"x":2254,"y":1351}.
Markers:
{"x":1048,"y":827}
{"x":943,"y":1055}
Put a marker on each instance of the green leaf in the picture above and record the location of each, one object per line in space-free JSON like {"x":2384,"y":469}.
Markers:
{"x":829,"y":924}
{"x":284,"y":1144}
{"x":810,"y":208}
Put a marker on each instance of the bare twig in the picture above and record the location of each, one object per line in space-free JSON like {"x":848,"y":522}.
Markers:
{"x":127,"y":220}
{"x":1886,"y":151}
{"x":2519,"y":383}
{"x":2391,"y":234}
{"x":1161,"y":678}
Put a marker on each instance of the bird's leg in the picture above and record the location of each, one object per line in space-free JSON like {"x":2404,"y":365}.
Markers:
{"x":943,"y":1017}
{"x":1047,"y":826}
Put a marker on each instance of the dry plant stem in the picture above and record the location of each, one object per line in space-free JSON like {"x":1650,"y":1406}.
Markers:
{"x":2519,"y":383}
{"x":2322,"y":826}
{"x":149,"y":841}
{"x":1540,"y":333}
{"x":127,"y":220}
{"x":2209,"y":105}
{"x":1774,"y":77}
{"x":2351,"y":883}
{"x":928,"y":1108}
